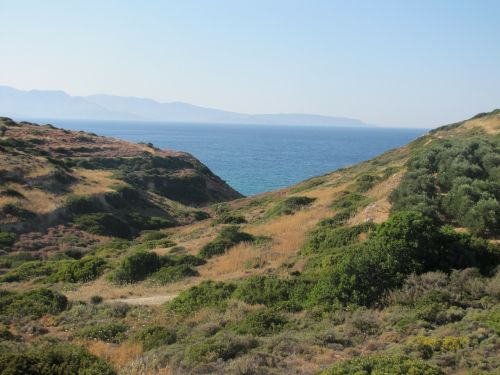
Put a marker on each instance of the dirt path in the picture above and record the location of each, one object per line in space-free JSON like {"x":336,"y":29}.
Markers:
{"x":150,"y":301}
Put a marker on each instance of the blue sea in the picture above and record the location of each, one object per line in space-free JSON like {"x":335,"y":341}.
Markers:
{"x":257,"y":158}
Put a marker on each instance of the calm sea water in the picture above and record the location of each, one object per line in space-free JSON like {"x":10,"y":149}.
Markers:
{"x":258,"y":158}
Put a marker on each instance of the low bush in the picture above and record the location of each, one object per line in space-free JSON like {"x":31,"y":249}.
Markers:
{"x":136,"y":267}
{"x":206,"y":294}
{"x":326,"y":238}
{"x":7,"y":239}
{"x":223,"y":346}
{"x":17,"y":211}
{"x":227,"y":238}
{"x":181,"y":259}
{"x":104,"y":224}
{"x":154,"y":336}
{"x":83,"y":270}
{"x":96,"y":300}
{"x":30,"y":270}
{"x":31,"y":304}
{"x":141,"y":222}
{"x":122,"y":197}
{"x":152,"y":235}
{"x":366,"y":181}
{"x":289,"y":206}
{"x":154,"y":244}
{"x":261,"y":323}
{"x":79,"y":205}
{"x":383,"y":364}
{"x":171,"y":274}
{"x":50,"y":359}
{"x":108,"y":332}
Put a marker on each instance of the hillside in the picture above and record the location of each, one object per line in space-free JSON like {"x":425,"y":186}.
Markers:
{"x":53,"y":177}
{"x":388,"y":266}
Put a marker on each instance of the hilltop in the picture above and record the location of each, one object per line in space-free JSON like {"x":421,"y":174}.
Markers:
{"x":58,"y":104}
{"x":387,"y":266}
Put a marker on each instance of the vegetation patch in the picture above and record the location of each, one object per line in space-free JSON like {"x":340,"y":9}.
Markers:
{"x":227,"y":238}
{"x":31,"y":304}
{"x":152,"y":337}
{"x":171,"y":274}
{"x":206,"y":294}
{"x":104,"y":224}
{"x":223,"y":346}
{"x":82,"y":270}
{"x":108,"y":332}
{"x":50,"y":358}
{"x":289,"y":206}
{"x":261,"y":323}
{"x":136,"y":267}
{"x":394,"y":365}
{"x":455,"y":180}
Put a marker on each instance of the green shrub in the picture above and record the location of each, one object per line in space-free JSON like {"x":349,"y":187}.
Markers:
{"x":152,"y":235}
{"x":108,"y":332}
{"x":222,"y":346}
{"x":30,"y":270}
{"x":366,"y":181}
{"x":181,"y":259}
{"x":79,"y":205}
{"x":394,"y":365}
{"x":104,"y":224}
{"x":350,"y":201}
{"x":136,"y":267}
{"x":154,"y":244}
{"x":261,"y":323}
{"x":96,"y":300}
{"x":141,"y":222}
{"x":289,"y":206}
{"x":32,"y":304}
{"x":263,"y":290}
{"x":227,"y":238}
{"x":201,"y":215}
{"x":124,"y":196}
{"x":206,"y":294}
{"x":407,"y":243}
{"x":83,"y":270}
{"x":112,"y":248}
{"x":7,"y":239}
{"x":171,"y":274}
{"x":327,"y":238}
{"x":155,"y":336}
{"x":17,"y":211}
{"x":465,"y":173}
{"x":50,"y":359}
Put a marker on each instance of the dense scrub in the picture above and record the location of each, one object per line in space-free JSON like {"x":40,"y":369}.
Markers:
{"x":48,"y":358}
{"x":395,"y":365}
{"x":455,"y":180}
{"x":31,"y":304}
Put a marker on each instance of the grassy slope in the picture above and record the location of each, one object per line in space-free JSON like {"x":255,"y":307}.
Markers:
{"x":301,"y":348}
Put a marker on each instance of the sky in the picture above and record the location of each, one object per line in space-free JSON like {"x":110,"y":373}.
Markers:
{"x":418,"y":63}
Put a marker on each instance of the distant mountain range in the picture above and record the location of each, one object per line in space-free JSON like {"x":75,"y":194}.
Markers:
{"x":58,"y":104}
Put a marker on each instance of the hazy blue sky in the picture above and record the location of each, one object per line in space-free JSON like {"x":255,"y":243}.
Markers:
{"x":396,"y":63}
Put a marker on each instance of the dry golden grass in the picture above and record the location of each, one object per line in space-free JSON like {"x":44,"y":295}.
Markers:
{"x":117,"y":355}
{"x":288,"y":234}
{"x":94,"y":182}
{"x":490,"y":124}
